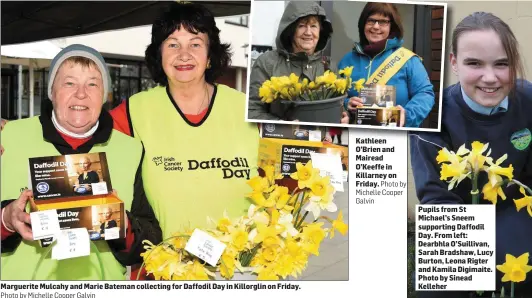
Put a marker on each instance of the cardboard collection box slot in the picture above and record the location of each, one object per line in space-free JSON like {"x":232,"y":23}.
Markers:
{"x":102,"y":216}
{"x":378,"y":116}
{"x":284,"y":154}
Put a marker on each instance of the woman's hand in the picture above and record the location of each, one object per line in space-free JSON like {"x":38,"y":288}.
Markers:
{"x":345,"y":118}
{"x":354,"y":102}
{"x":16,"y":219}
{"x":402,"y":116}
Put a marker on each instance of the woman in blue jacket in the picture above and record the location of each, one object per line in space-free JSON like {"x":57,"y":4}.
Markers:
{"x":381,"y":35}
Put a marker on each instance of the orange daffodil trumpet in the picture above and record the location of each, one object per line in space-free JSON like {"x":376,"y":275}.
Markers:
{"x":273,"y":240}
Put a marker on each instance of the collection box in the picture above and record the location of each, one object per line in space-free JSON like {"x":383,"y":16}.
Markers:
{"x":389,"y":117}
{"x":79,"y":188}
{"x":382,"y":96}
{"x":378,"y":107}
{"x":284,"y":154}
{"x":293,"y":132}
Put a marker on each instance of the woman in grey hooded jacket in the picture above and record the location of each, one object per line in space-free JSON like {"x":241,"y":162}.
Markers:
{"x":303,"y":33}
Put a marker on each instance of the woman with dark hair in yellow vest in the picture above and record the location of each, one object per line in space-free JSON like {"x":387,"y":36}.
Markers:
{"x":199,"y":150}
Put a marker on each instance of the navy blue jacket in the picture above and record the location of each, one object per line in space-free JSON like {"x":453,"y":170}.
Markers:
{"x":460,"y":124}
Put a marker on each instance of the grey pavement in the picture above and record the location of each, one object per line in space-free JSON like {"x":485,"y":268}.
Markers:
{"x":332,"y":263}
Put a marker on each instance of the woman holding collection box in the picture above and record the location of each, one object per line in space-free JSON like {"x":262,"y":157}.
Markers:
{"x":487,"y":112}
{"x":72,"y":123}
{"x":381,"y":40}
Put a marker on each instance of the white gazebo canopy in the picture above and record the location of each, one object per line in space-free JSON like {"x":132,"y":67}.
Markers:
{"x":38,"y":53}
{"x":32,"y":55}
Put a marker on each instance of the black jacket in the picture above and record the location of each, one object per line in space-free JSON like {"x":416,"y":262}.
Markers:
{"x":143,"y":221}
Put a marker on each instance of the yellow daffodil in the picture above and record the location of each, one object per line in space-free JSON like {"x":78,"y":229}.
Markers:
{"x":197,"y":271}
{"x":265,"y":92}
{"x":293,"y":78}
{"x":268,"y":235}
{"x":316,"y":204}
{"x":292,"y":260}
{"x":268,"y":254}
{"x":286,"y":221}
{"x":346,"y":71}
{"x":476,"y":158}
{"x":158,"y":259}
{"x":280,"y":196}
{"x":266,"y":273}
{"x":269,"y":172}
{"x":239,"y":239}
{"x":515,"y":269}
{"x":491,"y":192}
{"x":322,"y":187}
{"x":339,"y":225}
{"x":327,"y":79}
{"x":304,"y":84}
{"x":256,"y":215}
{"x":321,"y":197}
{"x":223,"y":223}
{"x":261,"y":201}
{"x":259,"y":184}
{"x":228,"y":264}
{"x":311,"y":236}
{"x":525,"y":201}
{"x":304,"y":174}
{"x":340,"y":85}
{"x":457,"y":171}
{"x":444,"y":155}
{"x":494,"y":170}
{"x":358,"y":85}
{"x":282,"y":202}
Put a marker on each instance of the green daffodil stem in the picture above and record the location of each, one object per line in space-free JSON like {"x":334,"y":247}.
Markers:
{"x":512,"y":289}
{"x":474,"y":189}
{"x":301,"y":221}
{"x":527,"y":189}
{"x":302,"y":195}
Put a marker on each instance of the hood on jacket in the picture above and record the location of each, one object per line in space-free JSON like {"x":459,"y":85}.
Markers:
{"x":292,"y":13}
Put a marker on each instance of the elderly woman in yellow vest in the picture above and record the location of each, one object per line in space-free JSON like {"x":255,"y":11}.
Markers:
{"x":381,"y":40}
{"x":72,"y":123}
{"x":199,"y":150}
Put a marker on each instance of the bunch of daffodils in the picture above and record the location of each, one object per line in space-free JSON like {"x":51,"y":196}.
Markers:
{"x":273,"y":240}
{"x":329,"y":85}
{"x":468,"y":163}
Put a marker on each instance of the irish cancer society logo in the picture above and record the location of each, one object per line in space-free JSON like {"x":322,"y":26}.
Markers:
{"x":43,"y":187}
{"x":286,"y":167}
{"x":269,"y":127}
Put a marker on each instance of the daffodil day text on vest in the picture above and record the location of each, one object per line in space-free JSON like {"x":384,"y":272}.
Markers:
{"x":237,"y":167}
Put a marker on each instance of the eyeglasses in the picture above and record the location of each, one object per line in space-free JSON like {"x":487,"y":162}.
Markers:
{"x":383,"y":23}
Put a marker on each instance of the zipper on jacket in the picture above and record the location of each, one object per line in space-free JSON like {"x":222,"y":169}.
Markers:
{"x":371,"y":60}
